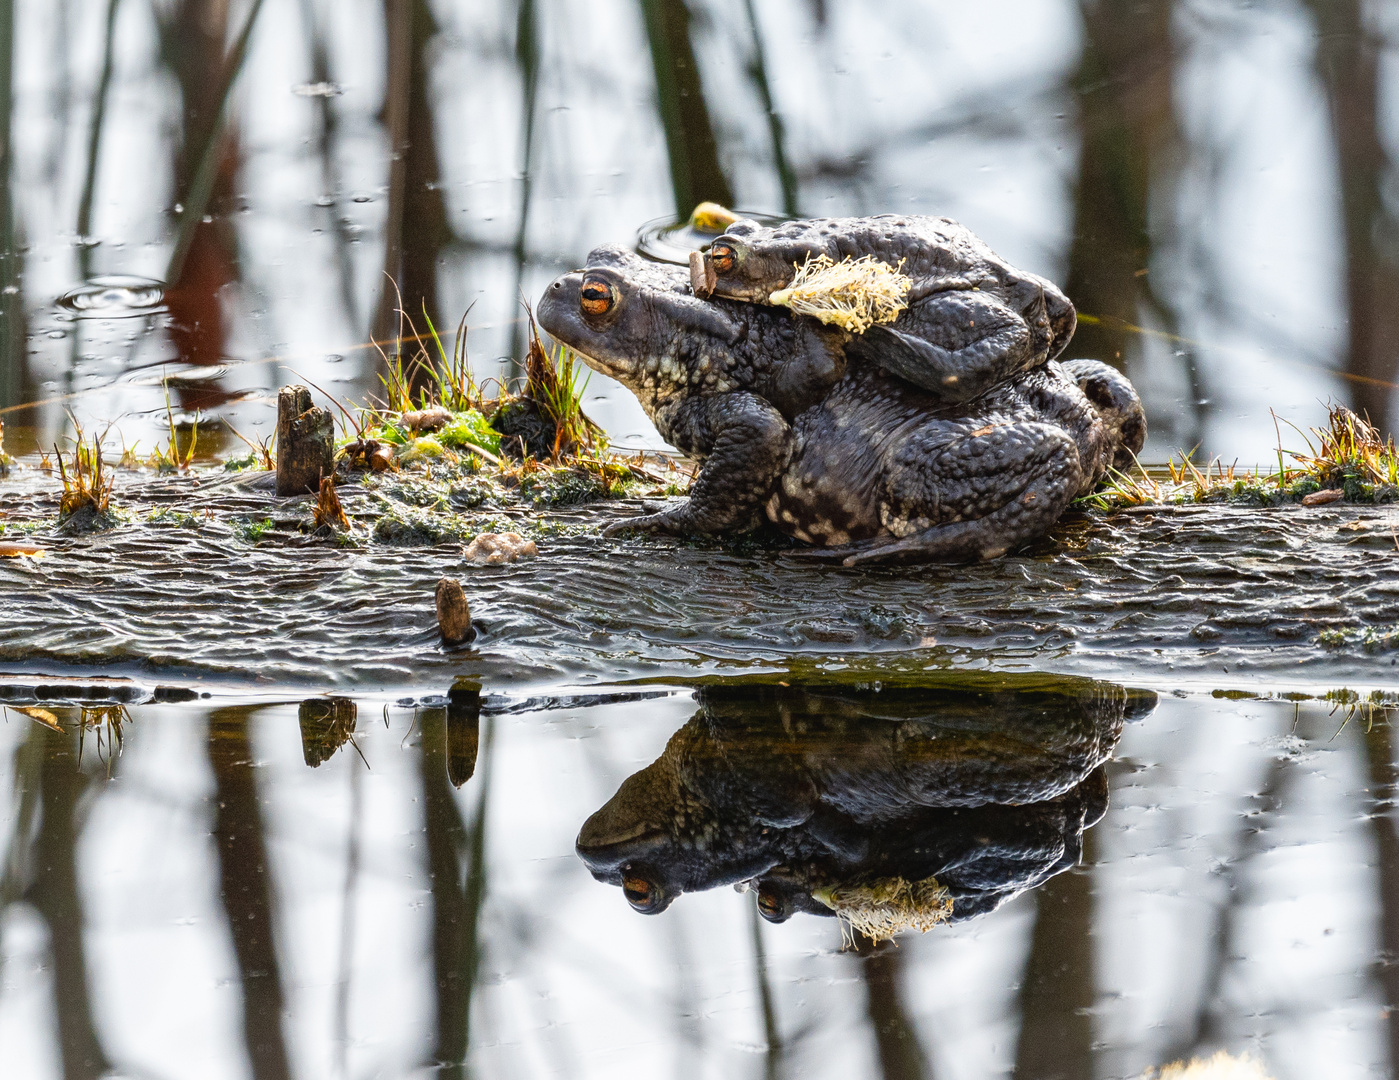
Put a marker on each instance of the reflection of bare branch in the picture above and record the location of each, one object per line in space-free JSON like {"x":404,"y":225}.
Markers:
{"x":527,"y":56}
{"x":94,"y":142}
{"x":972,"y":116}
{"x":326,"y":145}
{"x":771,"y":1028}
{"x":1206,"y":1027}
{"x":347,"y":920}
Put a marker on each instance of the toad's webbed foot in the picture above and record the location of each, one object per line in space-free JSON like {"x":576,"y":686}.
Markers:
{"x":746,"y":445}
{"x":662,"y":519}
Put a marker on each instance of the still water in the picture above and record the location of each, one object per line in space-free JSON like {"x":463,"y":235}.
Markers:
{"x":245,"y":891}
{"x":1188,"y":845}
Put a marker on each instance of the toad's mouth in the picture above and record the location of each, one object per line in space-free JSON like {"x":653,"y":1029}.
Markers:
{"x":614,"y":368}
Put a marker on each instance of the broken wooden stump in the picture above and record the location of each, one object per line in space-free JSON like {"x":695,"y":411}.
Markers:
{"x":305,"y":442}
{"x":453,"y":613}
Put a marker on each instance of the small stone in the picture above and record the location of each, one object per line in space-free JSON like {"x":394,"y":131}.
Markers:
{"x":453,"y":613}
{"x":1321,"y":498}
{"x":305,"y":442}
{"x":493,"y":549}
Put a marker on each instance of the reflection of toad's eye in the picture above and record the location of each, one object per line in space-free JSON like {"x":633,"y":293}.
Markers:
{"x":722,"y":256}
{"x":597,"y":298}
{"x":772,"y":906}
{"x":642,"y":895}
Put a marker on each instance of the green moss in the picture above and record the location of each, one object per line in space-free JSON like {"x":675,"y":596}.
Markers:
{"x":1369,"y":638}
{"x":470,"y":428}
{"x":405,"y":526}
{"x":169,"y":517}
{"x":252,"y":531}
{"x":247,"y":461}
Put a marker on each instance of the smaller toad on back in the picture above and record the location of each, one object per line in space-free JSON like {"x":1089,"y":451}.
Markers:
{"x":972,"y":320}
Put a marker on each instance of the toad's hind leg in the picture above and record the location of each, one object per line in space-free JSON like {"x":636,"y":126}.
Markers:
{"x":977,"y":497}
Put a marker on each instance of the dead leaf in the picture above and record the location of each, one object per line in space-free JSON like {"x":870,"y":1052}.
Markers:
{"x":14,"y":548}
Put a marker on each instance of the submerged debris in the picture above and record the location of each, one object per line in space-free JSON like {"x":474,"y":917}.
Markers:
{"x":853,"y":293}
{"x":493,"y":549}
{"x":1222,"y":1066}
{"x":453,"y":612}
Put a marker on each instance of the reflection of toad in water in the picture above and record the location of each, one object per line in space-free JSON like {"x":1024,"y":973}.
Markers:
{"x":894,"y":808}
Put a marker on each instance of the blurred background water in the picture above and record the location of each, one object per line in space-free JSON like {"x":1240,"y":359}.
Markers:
{"x":1211,"y":181}
{"x":228,"y":195}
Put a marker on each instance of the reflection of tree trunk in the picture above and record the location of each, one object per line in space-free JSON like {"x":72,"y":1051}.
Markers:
{"x":446,"y":840}
{"x":13,"y":361}
{"x":1128,"y":159}
{"x":456,"y":904}
{"x":1207,"y":1027}
{"x":192,"y":47}
{"x":55,"y":896}
{"x":1379,"y":746}
{"x":1056,"y":1032}
{"x":416,"y":225}
{"x":245,"y":887}
{"x":694,"y":156}
{"x":900,"y":1056}
{"x":1348,"y":60}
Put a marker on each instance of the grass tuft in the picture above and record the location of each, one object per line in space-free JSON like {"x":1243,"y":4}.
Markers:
{"x":87,"y":484}
{"x":1346,"y":458}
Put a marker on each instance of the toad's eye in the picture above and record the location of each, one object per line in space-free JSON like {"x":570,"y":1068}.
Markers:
{"x":772,"y":906}
{"x":598,"y":297}
{"x":722,"y":258}
{"x":644,"y":896}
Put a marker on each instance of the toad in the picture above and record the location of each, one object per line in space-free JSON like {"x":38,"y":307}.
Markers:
{"x":972,"y":319}
{"x":837,"y":451}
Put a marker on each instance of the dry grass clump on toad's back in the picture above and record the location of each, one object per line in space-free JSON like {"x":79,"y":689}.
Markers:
{"x":854,"y":294}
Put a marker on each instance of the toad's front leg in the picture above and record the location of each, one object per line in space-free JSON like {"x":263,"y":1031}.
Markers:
{"x":744,"y":444}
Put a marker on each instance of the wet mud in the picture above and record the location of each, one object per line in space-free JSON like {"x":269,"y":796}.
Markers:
{"x":225,"y":581}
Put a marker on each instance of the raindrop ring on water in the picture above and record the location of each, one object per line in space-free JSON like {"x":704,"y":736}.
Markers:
{"x":117,"y":297}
